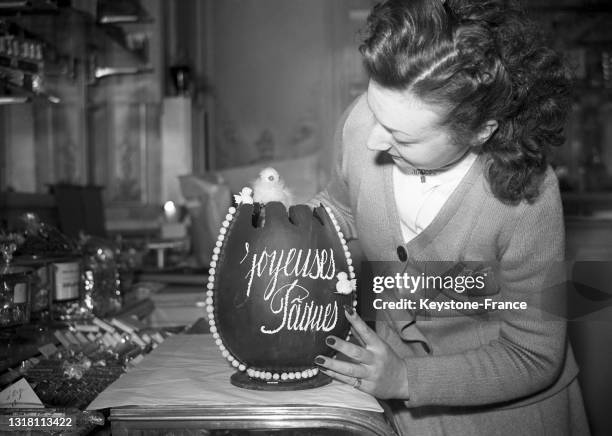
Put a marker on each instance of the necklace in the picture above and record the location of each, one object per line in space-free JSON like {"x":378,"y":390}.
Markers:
{"x":420,"y":172}
{"x":431,"y":172}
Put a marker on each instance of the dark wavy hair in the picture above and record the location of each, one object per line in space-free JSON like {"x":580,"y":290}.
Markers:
{"x":482,"y":60}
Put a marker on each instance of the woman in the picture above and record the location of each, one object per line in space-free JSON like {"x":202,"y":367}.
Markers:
{"x":444,"y":158}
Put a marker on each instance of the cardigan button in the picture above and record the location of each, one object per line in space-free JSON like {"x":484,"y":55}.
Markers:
{"x":401,"y":253}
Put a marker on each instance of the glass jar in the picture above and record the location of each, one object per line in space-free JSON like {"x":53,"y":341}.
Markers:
{"x":41,"y":285}
{"x":15,"y":284}
{"x":67,"y":289}
{"x":102,"y":282}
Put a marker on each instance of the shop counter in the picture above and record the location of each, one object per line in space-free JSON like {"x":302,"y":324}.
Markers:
{"x":183,"y":388}
{"x":248,"y":420}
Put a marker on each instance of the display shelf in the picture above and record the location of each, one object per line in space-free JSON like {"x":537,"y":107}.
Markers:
{"x":9,"y":7}
{"x":127,"y":11}
{"x":23,"y":93}
{"x":100,"y":36}
{"x":23,"y":65}
{"x":10,"y":99}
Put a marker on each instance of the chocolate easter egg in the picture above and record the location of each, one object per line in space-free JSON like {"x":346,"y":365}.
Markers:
{"x":273,"y":292}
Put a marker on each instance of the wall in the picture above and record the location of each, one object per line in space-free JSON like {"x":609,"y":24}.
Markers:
{"x":276,"y":71}
{"x":271,"y":71}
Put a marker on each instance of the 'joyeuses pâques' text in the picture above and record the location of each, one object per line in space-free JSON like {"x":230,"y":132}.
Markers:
{"x":289,"y":301}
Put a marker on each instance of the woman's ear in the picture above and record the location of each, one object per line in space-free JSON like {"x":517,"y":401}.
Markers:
{"x":486,"y":132}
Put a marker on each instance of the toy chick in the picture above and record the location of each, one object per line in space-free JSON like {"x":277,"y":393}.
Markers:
{"x":269,"y":187}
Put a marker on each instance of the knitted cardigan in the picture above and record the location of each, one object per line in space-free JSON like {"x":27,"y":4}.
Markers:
{"x":497,"y":360}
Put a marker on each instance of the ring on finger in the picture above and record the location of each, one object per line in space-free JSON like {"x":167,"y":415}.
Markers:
{"x":357,"y":383}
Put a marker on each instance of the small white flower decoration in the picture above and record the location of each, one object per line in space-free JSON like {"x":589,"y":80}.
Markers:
{"x":245,"y":196}
{"x":345,"y":286}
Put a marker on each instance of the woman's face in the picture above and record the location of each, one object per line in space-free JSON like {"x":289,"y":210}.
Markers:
{"x":410,"y":130}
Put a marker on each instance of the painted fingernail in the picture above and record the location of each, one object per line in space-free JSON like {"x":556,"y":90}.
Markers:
{"x":330,"y":341}
{"x":349,"y":310}
{"x":319,"y":360}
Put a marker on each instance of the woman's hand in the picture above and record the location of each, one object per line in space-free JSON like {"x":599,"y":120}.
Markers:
{"x":375,"y":367}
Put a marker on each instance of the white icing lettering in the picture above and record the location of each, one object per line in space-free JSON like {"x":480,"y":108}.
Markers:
{"x":292,"y":302}
{"x":297,"y":314}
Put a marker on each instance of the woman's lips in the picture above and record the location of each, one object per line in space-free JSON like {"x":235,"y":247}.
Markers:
{"x":400,"y":161}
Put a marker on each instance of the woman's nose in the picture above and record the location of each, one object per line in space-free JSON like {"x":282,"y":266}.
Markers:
{"x":380,"y":139}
